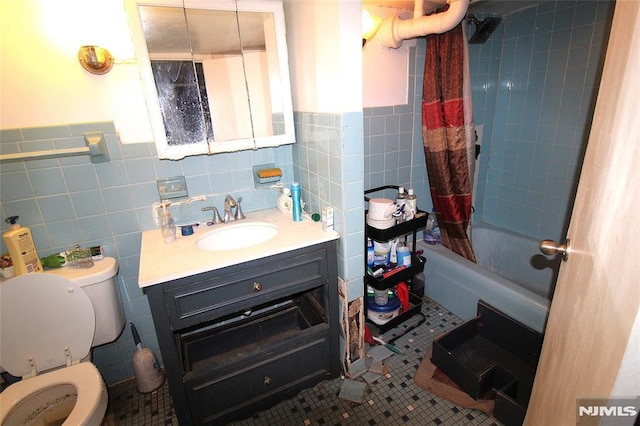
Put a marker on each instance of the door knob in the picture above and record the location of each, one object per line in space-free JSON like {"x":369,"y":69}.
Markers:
{"x":550,"y":247}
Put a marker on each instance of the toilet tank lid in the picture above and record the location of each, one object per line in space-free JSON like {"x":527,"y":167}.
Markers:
{"x":102,"y":270}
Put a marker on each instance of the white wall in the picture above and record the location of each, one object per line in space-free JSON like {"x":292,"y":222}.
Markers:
{"x":42,"y":82}
{"x":315,"y":30}
{"x":385,"y":70}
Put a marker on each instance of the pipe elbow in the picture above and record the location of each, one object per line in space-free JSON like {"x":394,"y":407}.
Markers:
{"x":393,"y":31}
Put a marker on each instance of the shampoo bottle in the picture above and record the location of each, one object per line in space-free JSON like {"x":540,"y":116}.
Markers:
{"x":295,"y":200}
{"x":21,"y":248}
{"x":167,"y":224}
{"x":401,"y":199}
{"x":411,"y":205}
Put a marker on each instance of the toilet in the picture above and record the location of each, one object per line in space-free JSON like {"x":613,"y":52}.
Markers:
{"x":48,"y":324}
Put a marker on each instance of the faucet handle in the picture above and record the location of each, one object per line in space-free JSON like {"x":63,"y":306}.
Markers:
{"x":239,"y":214}
{"x":216,"y":215}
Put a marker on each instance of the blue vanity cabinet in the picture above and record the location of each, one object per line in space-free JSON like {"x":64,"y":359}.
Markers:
{"x":239,"y":339}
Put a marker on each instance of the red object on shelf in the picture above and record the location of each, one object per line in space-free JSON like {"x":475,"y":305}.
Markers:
{"x":394,"y":271}
{"x":403,"y":295}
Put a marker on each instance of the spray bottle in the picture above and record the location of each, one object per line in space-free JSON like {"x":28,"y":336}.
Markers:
{"x":21,"y":248}
{"x":167,"y":225}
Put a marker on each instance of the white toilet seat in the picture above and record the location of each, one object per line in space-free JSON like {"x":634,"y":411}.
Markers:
{"x":91,"y":404}
{"x":46,"y":321}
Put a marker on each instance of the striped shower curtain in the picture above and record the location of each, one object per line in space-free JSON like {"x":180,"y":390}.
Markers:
{"x":446,"y":132}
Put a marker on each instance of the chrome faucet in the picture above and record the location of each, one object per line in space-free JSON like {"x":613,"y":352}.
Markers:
{"x":216,"y":216}
{"x":229,"y":203}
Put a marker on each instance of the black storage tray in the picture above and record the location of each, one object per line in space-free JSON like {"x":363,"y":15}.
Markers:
{"x":380,"y":283}
{"x":415,"y":305}
{"x":403,"y":228}
{"x":492,"y":353}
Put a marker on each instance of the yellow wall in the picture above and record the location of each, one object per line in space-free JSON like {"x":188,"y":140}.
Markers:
{"x":42,"y":82}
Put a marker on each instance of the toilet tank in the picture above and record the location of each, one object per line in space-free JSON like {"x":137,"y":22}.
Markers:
{"x":99,"y":282}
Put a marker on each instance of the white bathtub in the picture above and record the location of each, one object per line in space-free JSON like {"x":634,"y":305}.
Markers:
{"x":457,"y":284}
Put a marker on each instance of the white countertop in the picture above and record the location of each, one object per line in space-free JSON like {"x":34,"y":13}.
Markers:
{"x":161,"y":262}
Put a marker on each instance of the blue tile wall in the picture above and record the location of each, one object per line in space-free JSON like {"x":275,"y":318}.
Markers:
{"x":393,"y":149}
{"x":534,"y":87}
{"x":71,"y":200}
{"x":328,"y":162}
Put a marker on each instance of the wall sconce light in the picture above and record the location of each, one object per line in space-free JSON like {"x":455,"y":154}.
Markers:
{"x":370,"y":24}
{"x":95,"y":59}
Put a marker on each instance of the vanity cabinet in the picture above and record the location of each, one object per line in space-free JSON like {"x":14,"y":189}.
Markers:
{"x":239,"y":339}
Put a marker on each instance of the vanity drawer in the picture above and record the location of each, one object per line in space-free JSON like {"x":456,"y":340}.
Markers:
{"x":258,"y":385}
{"x":196,"y":299}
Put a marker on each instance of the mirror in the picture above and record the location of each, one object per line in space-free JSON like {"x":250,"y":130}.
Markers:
{"x":215,"y":74}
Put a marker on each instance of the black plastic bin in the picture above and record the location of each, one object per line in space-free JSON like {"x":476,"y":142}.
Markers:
{"x":492,"y":354}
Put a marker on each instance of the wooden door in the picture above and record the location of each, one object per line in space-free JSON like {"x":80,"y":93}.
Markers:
{"x":594,"y":312}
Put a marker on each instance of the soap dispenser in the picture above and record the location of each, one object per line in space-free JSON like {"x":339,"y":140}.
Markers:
{"x":167,"y":224}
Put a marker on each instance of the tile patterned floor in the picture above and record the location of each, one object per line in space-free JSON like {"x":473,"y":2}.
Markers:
{"x":393,"y":399}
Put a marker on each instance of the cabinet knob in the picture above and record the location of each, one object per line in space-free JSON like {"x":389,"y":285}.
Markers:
{"x":267,"y":380}
{"x":257,"y":287}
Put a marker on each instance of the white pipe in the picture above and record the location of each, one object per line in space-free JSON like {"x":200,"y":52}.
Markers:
{"x":393,"y":30}
{"x":418,"y":8}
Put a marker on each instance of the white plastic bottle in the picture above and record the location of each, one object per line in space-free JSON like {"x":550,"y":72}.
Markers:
{"x":284,"y":202}
{"x":167,"y":224}
{"x":404,"y":254}
{"x":370,"y":253}
{"x":401,"y":199}
{"x":22,"y":250}
{"x":411,"y":205}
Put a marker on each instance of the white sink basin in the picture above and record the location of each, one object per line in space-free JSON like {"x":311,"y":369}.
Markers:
{"x":237,"y":236}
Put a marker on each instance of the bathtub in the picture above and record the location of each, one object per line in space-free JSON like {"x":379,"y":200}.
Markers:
{"x":523,"y":291}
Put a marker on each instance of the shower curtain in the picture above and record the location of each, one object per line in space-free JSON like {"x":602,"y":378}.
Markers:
{"x":447,"y":129}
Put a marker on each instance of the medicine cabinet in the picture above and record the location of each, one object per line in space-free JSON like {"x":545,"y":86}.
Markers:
{"x":215,"y":74}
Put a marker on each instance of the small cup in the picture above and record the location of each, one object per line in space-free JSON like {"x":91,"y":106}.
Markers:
{"x":186,"y":230}
{"x":381,"y":297}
